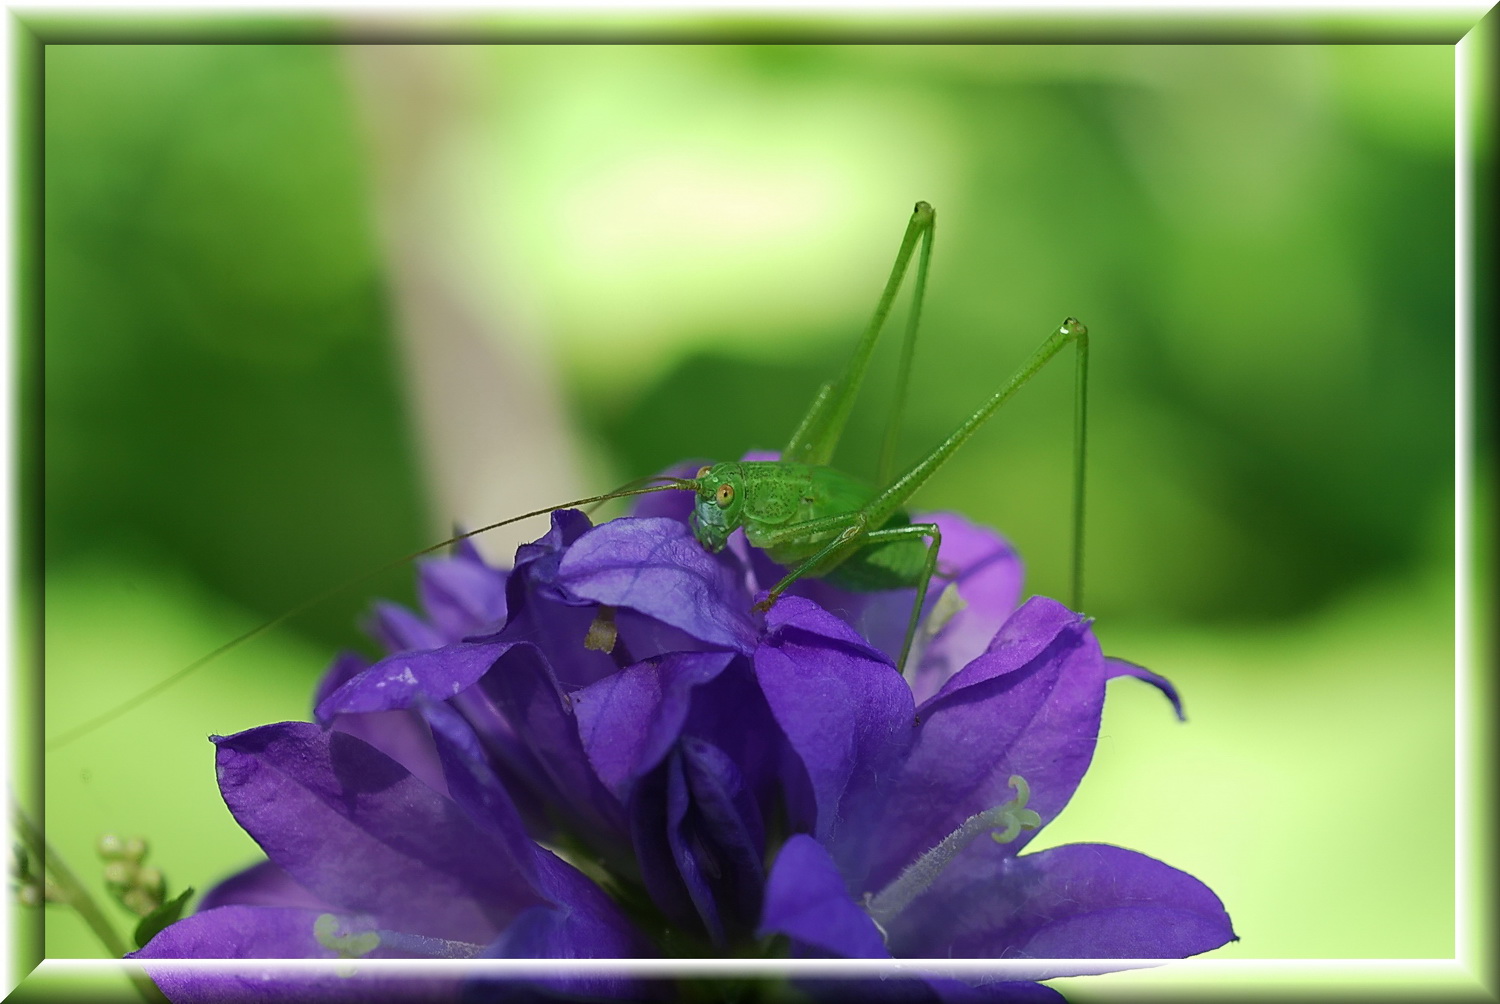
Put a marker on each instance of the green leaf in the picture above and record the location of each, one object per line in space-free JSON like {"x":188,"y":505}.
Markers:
{"x":168,"y":913}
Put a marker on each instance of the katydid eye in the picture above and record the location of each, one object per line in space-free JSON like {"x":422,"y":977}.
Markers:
{"x":702,"y":473}
{"x":725,"y":494}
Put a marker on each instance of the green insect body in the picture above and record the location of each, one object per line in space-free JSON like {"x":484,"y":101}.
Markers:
{"x":766,"y":497}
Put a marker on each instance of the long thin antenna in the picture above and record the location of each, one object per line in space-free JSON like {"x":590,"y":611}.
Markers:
{"x":141,"y":698}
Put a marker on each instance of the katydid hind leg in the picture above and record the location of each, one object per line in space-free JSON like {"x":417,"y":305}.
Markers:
{"x":887,"y":466}
{"x":818,"y":433}
{"x":895,"y":496}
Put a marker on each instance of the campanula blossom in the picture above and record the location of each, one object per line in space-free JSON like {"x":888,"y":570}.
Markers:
{"x":605,"y":752}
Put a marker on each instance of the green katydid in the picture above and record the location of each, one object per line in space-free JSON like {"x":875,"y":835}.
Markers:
{"x":805,"y":514}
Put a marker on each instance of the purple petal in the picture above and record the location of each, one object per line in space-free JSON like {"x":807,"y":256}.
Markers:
{"x":400,"y":735}
{"x":356,"y":828}
{"x":538,"y":933}
{"x":254,"y":932}
{"x":528,"y":697}
{"x":714,"y":837}
{"x":545,"y":615}
{"x":274,"y":932}
{"x":628,"y":721}
{"x":655,"y":566}
{"x":1121,"y":667}
{"x":265,"y":884}
{"x":462,"y":595}
{"x":345,"y":667}
{"x":1029,"y":706}
{"x":727,"y":834}
{"x":476,"y":789}
{"x":999,"y":992}
{"x":589,"y":924}
{"x":928,"y":990}
{"x":846,"y":712}
{"x":400,"y":630}
{"x":658,"y":804}
{"x":698,"y":840}
{"x":806,"y":900}
{"x":544,"y":932}
{"x":669,"y":504}
{"x":398,"y":681}
{"x":1078,"y":901}
{"x":988,"y":574}
{"x":535,"y":573}
{"x":1026,"y":633}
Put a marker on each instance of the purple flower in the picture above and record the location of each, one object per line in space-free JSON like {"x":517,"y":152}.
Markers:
{"x":605,"y":753}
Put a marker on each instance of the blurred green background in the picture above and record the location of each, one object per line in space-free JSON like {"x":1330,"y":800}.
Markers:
{"x":308,"y":306}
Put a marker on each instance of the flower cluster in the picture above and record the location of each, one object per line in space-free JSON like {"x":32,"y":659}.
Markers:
{"x":604,"y":752}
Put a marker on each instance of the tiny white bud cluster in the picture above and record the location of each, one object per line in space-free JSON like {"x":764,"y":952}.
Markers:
{"x":140,"y":888}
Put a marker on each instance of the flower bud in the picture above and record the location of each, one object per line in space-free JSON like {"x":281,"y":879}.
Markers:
{"x":151,"y":881}
{"x":119,"y":873}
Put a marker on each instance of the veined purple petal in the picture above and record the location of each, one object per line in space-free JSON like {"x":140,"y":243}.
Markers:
{"x":1069,"y":902}
{"x":1024,"y":635}
{"x":399,"y":734}
{"x":655,"y":566}
{"x":285,"y":932}
{"x":1123,"y":667}
{"x":398,"y":681}
{"x":1029,"y":706}
{"x":354,"y":827}
{"x":630,"y":720}
{"x":265,"y":884}
{"x":260,"y":932}
{"x":727,"y":834}
{"x":806,"y":900}
{"x":845,"y":711}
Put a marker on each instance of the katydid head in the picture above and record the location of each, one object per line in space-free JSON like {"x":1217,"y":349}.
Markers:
{"x":716,"y":512}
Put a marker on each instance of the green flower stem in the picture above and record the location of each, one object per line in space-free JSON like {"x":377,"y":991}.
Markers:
{"x":75,"y":895}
